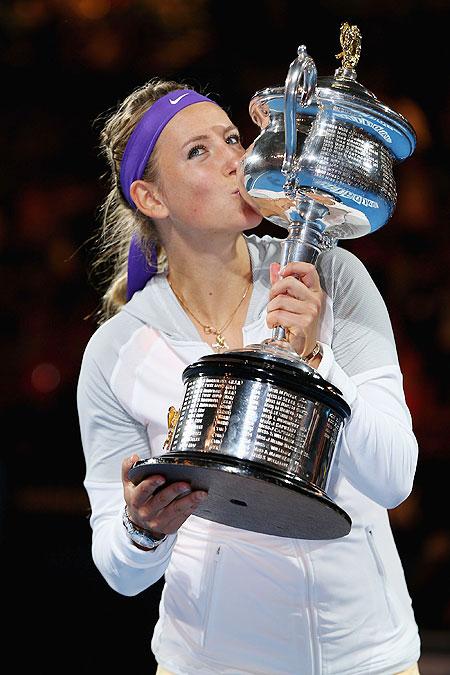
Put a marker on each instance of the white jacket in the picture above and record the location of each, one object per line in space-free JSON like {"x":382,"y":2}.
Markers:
{"x":235,"y":601}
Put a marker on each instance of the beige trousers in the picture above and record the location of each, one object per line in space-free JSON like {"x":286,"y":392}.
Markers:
{"x":414,"y":670}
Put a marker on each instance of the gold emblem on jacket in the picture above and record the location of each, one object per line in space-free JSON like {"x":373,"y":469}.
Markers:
{"x":173,"y":416}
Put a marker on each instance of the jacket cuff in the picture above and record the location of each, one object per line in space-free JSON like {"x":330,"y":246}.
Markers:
{"x":130,"y":554}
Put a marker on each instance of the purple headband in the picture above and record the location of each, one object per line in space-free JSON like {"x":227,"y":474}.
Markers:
{"x":135,"y":159}
{"x":139,"y":269}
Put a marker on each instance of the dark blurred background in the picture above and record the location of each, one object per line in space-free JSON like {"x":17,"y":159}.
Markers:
{"x":63,"y":64}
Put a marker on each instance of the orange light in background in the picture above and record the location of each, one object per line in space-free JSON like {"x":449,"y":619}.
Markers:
{"x":443,"y":330}
{"x":416,"y":206}
{"x":91,"y":9}
{"x":418,"y":119}
{"x":103,"y":48}
{"x":61,"y":256}
{"x":31,"y":13}
{"x":45,"y":378}
{"x":178,"y":13}
{"x":179,"y":52}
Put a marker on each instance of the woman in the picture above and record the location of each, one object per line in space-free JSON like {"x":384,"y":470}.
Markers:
{"x":236,"y":601}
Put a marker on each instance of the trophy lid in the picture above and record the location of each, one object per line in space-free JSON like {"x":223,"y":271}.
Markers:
{"x":347,"y":99}
{"x":344,"y":89}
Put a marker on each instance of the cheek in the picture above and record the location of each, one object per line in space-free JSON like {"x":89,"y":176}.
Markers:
{"x":193,"y":208}
{"x":197,"y":196}
{"x":201,"y":192}
{"x":186,"y":193}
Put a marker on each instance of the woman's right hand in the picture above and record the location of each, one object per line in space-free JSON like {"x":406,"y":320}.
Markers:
{"x":161,"y":513}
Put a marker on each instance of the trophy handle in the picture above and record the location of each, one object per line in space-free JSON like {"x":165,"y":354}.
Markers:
{"x":302,"y":75}
{"x":300,"y":87}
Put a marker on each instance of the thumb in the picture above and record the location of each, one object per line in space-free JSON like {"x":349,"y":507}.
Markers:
{"x":126,"y":466}
{"x":274,"y":272}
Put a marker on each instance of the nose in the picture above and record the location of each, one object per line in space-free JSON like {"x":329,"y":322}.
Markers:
{"x":233,"y":158}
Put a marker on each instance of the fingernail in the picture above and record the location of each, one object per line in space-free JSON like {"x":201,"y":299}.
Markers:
{"x":184,"y":490}
{"x":160,"y":481}
{"x":200,"y":496}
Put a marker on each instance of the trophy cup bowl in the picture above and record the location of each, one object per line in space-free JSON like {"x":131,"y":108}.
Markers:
{"x":258,"y":426}
{"x":326,"y":151}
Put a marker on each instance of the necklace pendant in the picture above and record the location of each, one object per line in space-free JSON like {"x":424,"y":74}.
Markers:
{"x":209,"y":329}
{"x":220,"y":344}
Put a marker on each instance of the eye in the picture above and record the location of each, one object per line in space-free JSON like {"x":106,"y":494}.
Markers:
{"x":196,"y":151}
{"x":233,"y":139}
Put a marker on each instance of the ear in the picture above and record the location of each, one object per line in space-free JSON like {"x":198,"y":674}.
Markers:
{"x":148,"y":199}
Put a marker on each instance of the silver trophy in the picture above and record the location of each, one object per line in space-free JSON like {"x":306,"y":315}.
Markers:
{"x":258,"y":426}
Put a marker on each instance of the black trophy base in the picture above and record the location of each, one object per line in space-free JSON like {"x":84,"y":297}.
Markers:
{"x":250,"y":495}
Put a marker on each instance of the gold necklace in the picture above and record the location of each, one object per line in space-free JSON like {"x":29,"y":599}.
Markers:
{"x":220,"y":344}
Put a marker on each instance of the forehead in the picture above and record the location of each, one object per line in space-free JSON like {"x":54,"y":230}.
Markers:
{"x":195,"y":120}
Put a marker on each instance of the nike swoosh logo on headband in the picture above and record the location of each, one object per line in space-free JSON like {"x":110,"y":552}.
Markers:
{"x":176,"y":100}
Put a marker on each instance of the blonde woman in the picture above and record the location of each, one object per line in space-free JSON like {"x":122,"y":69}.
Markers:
{"x":187,"y":282}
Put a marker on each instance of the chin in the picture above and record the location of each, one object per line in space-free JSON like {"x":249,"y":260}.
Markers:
{"x":252,"y":217}
{"x":253,"y":221}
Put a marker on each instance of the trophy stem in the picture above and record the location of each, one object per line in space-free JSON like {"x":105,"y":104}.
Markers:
{"x":302,"y":244}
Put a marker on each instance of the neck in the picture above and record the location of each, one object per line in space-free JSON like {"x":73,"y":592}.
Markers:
{"x":210,"y":275}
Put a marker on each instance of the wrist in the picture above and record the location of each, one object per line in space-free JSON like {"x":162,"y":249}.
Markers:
{"x":140,"y":537}
{"x":315,"y":362}
{"x":314,"y":357}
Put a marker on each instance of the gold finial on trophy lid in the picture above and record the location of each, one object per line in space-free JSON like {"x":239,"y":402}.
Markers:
{"x":350,"y":39}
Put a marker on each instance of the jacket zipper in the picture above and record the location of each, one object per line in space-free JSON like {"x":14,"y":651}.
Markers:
{"x":382,"y":572}
{"x":211,"y":583}
{"x":312,"y":623}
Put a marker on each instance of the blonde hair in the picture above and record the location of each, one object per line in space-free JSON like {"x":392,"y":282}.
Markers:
{"x":118,"y":219}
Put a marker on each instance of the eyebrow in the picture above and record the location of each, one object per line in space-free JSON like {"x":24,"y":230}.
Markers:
{"x":204,"y":137}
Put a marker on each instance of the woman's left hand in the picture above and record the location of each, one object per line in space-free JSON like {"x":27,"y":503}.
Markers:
{"x":295,"y":303}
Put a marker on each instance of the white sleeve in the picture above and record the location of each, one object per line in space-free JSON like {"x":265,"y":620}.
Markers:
{"x":127,"y":569}
{"x":377,"y":448}
{"x":109,"y":434}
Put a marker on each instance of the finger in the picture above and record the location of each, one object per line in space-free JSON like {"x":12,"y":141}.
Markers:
{"x":286,"y":302}
{"x":180,"y":509}
{"x":174,"y":492}
{"x":290,"y":286}
{"x":146,"y":489}
{"x":304,"y":271}
{"x":126,"y":466}
{"x":274,"y":272}
{"x":296,"y":324}
{"x":146,"y":502}
{"x":308,"y":306}
{"x":147,"y":485}
{"x":170,"y":519}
